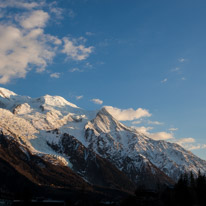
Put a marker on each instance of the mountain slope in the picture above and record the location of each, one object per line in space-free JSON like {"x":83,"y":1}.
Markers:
{"x":36,"y":168}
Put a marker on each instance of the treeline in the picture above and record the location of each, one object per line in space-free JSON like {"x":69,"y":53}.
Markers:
{"x":188,"y":191}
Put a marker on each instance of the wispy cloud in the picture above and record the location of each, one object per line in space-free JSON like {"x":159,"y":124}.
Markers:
{"x":58,"y":12}
{"x":127,"y":114}
{"x":75,"y":70}
{"x":154,"y":122}
{"x":137,"y":122}
{"x":173,"y":129}
{"x":19,"y":4}
{"x":88,"y":65}
{"x":185,"y":140}
{"x":55,"y":75}
{"x":164,"y":80}
{"x":79,"y":97}
{"x":97,"y":101}
{"x":176,"y":69}
{"x":76,"y":51}
{"x":89,"y":33}
{"x":147,"y":122}
{"x":143,"y":129}
{"x":155,"y":135}
{"x":183,"y":78}
{"x":190,"y":144}
{"x":181,"y":60}
{"x":161,"y":136}
{"x":195,"y":147}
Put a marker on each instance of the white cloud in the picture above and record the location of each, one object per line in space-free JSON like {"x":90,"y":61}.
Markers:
{"x":88,"y":65}
{"x":24,"y":45}
{"x":37,"y":18}
{"x":173,"y":129}
{"x":154,"y":122}
{"x":187,"y":143}
{"x":55,"y":10}
{"x":190,"y":143}
{"x":89,"y":33}
{"x":183,"y":78}
{"x":127,"y":114}
{"x":161,"y":136}
{"x":74,"y":51}
{"x":143,"y":129}
{"x":194,"y":147}
{"x":185,"y":140}
{"x":18,"y":4}
{"x":181,"y":60}
{"x":55,"y":75}
{"x":79,"y":97}
{"x":147,"y":122}
{"x":21,"y":50}
{"x":164,"y":80}
{"x":137,"y":122}
{"x":27,"y":47}
{"x":175,"y":69}
{"x":155,"y":136}
{"x":97,"y":101}
{"x":75,"y":70}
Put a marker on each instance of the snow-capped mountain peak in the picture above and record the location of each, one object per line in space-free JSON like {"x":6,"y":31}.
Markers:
{"x":55,"y":101}
{"x":5,"y":93}
{"x":106,"y":123}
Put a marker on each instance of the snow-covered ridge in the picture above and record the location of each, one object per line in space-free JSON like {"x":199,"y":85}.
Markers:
{"x":56,"y":101}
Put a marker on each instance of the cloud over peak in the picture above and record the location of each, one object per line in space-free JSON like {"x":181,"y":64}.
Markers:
{"x":154,"y":135}
{"x":127,"y":114}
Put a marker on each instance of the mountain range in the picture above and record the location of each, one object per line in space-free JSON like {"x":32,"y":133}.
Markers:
{"x":50,"y":142}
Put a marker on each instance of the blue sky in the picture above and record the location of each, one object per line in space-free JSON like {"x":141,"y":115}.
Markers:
{"x":137,"y":54}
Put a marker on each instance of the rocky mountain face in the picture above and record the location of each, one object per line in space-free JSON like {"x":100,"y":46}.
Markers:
{"x":52,"y":142}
